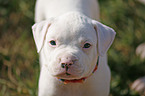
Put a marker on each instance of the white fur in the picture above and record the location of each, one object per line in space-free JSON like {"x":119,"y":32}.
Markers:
{"x":68,"y":23}
{"x":53,"y":8}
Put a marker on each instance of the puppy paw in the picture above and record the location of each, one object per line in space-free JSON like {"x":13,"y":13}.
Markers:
{"x":139,"y":85}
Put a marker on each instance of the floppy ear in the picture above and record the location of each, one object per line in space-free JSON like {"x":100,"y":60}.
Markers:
{"x":39,"y":32}
{"x":105,"y":36}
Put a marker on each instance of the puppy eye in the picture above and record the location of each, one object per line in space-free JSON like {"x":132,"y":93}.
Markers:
{"x":52,"y":42}
{"x":87,"y":45}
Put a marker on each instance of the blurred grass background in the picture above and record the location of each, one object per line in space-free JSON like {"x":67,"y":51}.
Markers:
{"x":19,"y":64}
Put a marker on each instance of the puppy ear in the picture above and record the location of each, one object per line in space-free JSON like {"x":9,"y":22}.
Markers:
{"x":105,"y":36}
{"x":39,"y":32}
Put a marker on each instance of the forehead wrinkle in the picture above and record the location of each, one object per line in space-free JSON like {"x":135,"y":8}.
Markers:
{"x":72,"y":27}
{"x":79,"y":33}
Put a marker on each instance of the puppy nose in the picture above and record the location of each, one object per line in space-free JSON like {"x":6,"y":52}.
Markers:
{"x":66,"y":65}
{"x":67,"y":62}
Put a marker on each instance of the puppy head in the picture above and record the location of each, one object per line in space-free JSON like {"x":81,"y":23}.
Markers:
{"x":71,"y":43}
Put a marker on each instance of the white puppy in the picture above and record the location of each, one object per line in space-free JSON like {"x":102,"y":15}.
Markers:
{"x":69,"y":43}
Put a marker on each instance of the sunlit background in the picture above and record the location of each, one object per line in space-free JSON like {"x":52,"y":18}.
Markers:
{"x":19,"y":63}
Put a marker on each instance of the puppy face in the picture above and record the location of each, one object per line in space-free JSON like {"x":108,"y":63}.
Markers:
{"x":71,"y":44}
{"x":76,"y":40}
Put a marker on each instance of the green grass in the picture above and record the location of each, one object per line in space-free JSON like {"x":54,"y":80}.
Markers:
{"x":19,"y":63}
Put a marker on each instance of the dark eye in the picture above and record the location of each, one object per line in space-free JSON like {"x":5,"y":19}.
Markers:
{"x":52,"y":42}
{"x":87,"y":45}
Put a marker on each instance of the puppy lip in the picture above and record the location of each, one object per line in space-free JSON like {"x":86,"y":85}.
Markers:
{"x":66,"y":81}
{"x":71,"y":79}
{"x":67,"y":76}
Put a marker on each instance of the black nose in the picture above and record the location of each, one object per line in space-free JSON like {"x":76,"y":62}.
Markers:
{"x":64,"y":65}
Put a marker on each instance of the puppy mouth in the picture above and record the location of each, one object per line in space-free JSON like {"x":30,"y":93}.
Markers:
{"x":69,"y":78}
{"x":81,"y":80}
{"x":65,"y":81}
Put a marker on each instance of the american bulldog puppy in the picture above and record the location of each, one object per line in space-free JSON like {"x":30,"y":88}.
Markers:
{"x":72,"y":48}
